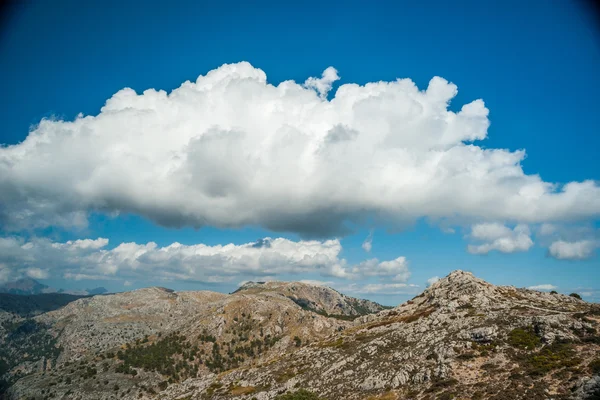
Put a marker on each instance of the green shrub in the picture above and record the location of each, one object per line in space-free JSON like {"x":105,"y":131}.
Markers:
{"x":595,"y":366}
{"x":523,"y":338}
{"x":558,"y":355}
{"x":577,"y":296}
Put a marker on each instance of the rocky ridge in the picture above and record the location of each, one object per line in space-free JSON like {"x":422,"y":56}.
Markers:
{"x":462,"y":338}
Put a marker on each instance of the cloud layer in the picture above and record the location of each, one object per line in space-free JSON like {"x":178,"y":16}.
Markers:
{"x":543,"y":287}
{"x":231,"y":150}
{"x":90,"y":259}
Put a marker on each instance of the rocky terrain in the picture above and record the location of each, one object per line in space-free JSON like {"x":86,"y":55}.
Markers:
{"x":462,"y":338}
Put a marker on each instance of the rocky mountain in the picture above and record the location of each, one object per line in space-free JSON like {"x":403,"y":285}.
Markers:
{"x":462,"y":338}
{"x":29,"y":286}
{"x":320,"y":299}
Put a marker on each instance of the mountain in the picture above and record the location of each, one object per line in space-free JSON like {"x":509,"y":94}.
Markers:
{"x":462,"y":338}
{"x":29,"y":286}
{"x":95,"y":291}
{"x":320,"y":299}
{"x":23,"y":286}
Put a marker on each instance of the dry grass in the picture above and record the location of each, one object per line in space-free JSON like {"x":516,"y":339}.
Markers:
{"x":242,"y":390}
{"x":384,"y":396}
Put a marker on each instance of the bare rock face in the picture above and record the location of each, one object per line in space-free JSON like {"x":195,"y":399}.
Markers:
{"x":462,"y":338}
{"x":316,"y":298}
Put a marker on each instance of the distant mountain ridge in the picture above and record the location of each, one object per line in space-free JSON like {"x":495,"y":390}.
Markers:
{"x":23,"y":286}
{"x":29,"y":286}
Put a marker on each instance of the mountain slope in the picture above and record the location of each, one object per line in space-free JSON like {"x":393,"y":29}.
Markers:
{"x":320,"y":299}
{"x":462,"y":338}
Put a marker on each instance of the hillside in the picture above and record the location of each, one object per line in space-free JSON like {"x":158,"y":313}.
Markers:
{"x":30,"y":305}
{"x":462,"y":338}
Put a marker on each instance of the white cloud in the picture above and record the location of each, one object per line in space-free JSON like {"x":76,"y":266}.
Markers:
{"x":368,"y":243}
{"x":82,"y":244}
{"x":579,"y":250}
{"x":323,"y":84}
{"x":264,"y":259}
{"x":382,"y":288}
{"x":241,"y":151}
{"x":432,"y":280}
{"x":396,"y":270}
{"x":37,"y":273}
{"x":543,"y":287}
{"x":316,"y":282}
{"x":499,"y":237}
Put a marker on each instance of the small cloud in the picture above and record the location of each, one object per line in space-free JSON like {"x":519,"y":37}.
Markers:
{"x":126,"y":283}
{"x":37,"y":273}
{"x":368,"y":243}
{"x":394,"y":270}
{"x":500,"y":238}
{"x":579,"y":250}
{"x":323,"y":84}
{"x":432,"y":280}
{"x":544,"y":287}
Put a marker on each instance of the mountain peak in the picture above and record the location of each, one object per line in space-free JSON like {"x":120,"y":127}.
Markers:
{"x":23,"y":286}
{"x":460,"y":282}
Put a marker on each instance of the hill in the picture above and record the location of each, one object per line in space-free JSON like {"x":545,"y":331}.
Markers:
{"x":462,"y":338}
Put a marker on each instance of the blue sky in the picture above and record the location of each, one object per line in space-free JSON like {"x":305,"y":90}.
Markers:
{"x":534,"y":66}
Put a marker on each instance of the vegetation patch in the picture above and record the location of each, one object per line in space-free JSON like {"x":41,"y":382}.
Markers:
{"x":558,"y":355}
{"x":25,"y":341}
{"x":241,"y":390}
{"x":595,"y":366}
{"x":524,"y":338}
{"x":29,"y":305}
{"x":441,"y":384}
{"x":384,"y":396}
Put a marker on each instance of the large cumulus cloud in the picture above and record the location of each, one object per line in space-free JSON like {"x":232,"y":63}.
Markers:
{"x":231,"y":149}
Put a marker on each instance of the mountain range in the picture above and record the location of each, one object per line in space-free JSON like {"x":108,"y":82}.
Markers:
{"x":462,"y":338}
{"x":28,"y":286}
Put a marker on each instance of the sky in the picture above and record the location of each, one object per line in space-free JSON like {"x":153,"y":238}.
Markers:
{"x":369,"y":147}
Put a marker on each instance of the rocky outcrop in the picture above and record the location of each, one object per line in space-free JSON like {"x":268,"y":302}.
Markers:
{"x":316,"y":298}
